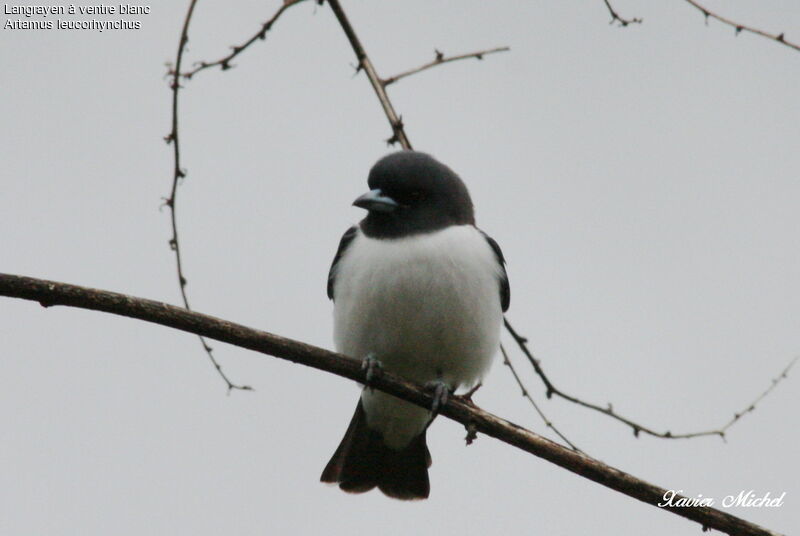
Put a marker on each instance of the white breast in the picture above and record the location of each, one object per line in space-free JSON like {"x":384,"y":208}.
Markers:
{"x":427,"y":306}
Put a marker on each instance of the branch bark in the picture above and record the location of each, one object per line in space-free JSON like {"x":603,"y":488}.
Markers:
{"x":49,"y":293}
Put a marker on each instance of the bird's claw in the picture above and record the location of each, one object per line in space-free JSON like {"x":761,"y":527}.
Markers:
{"x":372,"y":367}
{"x":441,"y":392}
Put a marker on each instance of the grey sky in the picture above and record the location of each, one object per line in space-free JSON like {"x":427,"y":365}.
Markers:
{"x":643,"y":183}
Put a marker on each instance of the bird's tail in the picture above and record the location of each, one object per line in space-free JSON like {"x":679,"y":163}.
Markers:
{"x":363,"y":461}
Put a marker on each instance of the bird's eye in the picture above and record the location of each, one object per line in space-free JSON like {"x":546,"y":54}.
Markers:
{"x":417,"y":195}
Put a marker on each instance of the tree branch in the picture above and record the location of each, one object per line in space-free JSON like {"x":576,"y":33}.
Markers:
{"x":225,"y":62}
{"x":440,"y":59}
{"x":620,"y":20}
{"x":637,"y":428}
{"x":49,"y":293}
{"x":742,"y":27}
{"x":396,"y":122}
{"x":527,"y":395}
{"x":179,"y":173}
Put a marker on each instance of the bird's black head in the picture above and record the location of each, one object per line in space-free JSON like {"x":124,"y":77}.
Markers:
{"x":413,"y":193}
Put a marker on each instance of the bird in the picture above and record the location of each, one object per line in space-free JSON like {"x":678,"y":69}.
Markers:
{"x":419,"y":291}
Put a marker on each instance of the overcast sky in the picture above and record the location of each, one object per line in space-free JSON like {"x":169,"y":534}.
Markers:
{"x":642,"y":182}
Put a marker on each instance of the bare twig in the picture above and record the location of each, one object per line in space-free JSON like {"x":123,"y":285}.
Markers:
{"x":440,"y":59}
{"x":396,"y":122}
{"x":526,"y":394}
{"x":739,"y":28}
{"x":620,"y":20}
{"x":50,"y":293}
{"x":759,"y":398}
{"x":225,"y":62}
{"x":178,"y":174}
{"x":637,"y":428}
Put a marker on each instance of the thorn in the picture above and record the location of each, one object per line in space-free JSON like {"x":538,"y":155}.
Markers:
{"x":182,"y":281}
{"x":549,"y":393}
{"x":636,"y":432}
{"x":706,"y":14}
{"x":468,"y":395}
{"x":739,"y":30}
{"x":780,"y":37}
{"x":479,"y":56}
{"x":439,"y":54}
{"x":169,"y":138}
{"x":667,"y":434}
{"x":179,"y":173}
{"x":225,"y":65}
{"x":173,"y":244}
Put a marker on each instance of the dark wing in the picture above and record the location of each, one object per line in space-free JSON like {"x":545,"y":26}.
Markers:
{"x":347,"y":237}
{"x":505,"y":289}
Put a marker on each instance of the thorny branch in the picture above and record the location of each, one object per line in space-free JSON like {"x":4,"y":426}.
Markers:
{"x":225,"y":62}
{"x":615,"y":17}
{"x":49,"y":293}
{"x":637,"y":428}
{"x":178,"y":174}
{"x":396,"y":122}
{"x":708,"y":14}
{"x":439,"y":60}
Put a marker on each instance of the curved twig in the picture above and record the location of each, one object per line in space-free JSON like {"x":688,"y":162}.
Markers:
{"x":225,"y":62}
{"x":440,"y":59}
{"x":637,"y":428}
{"x":50,"y":293}
{"x":179,"y":173}
{"x":527,"y":395}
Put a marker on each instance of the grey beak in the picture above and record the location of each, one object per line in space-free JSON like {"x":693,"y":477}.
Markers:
{"x":375,"y":201}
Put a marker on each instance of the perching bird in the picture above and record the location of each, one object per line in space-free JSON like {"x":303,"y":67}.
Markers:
{"x":418,"y":291}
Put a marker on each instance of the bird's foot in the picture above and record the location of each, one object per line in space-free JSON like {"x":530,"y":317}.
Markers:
{"x":441,"y":392}
{"x":372,"y":368}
